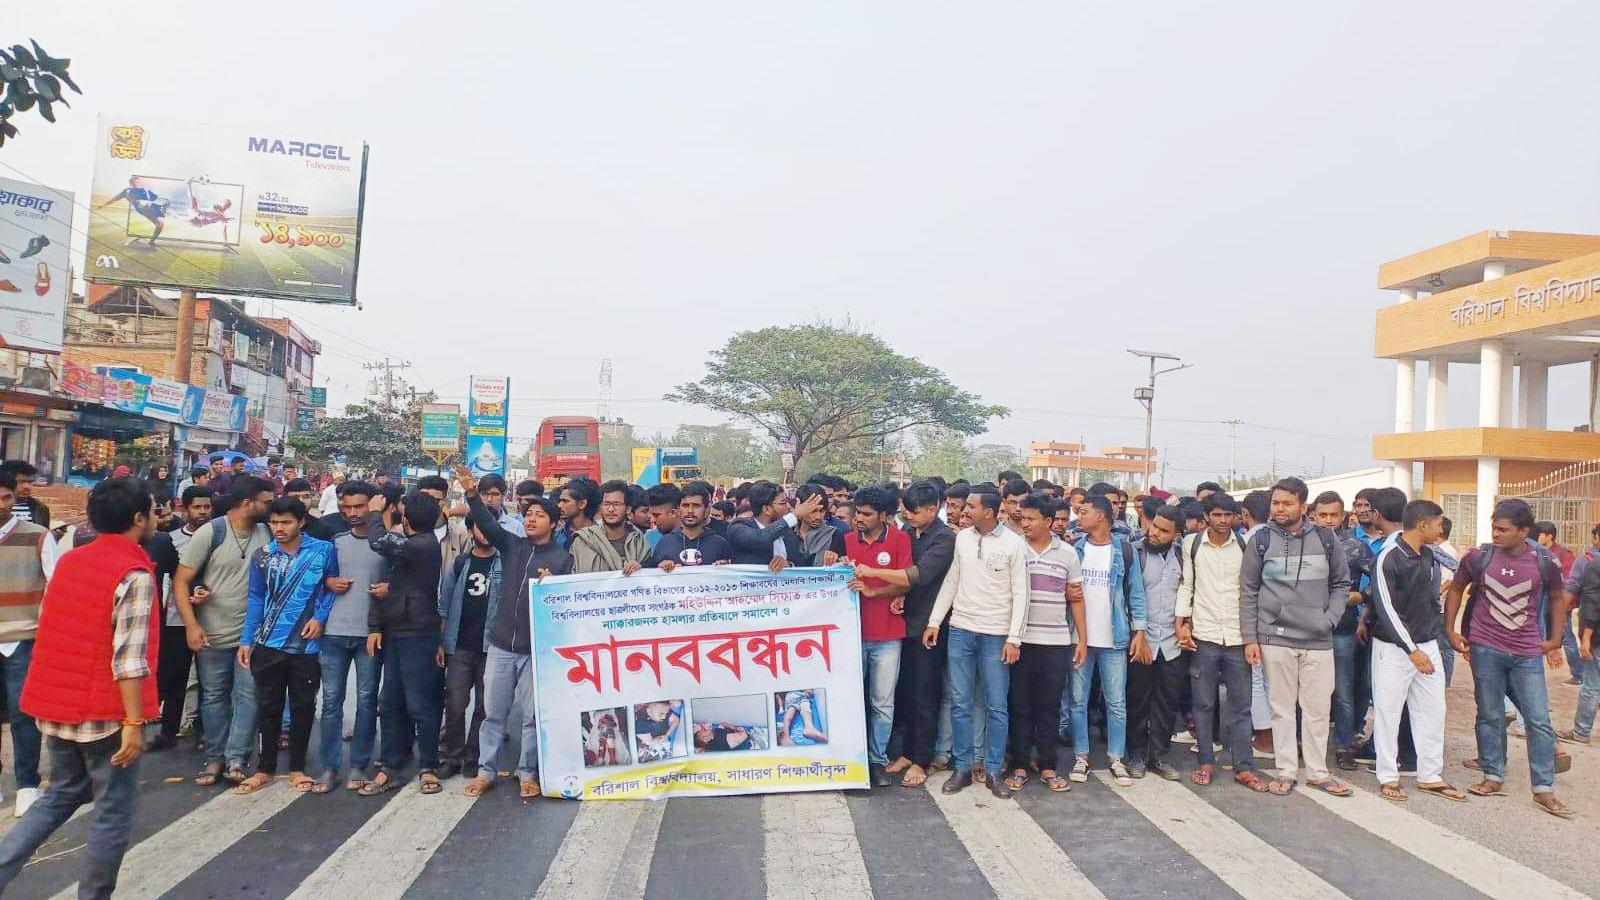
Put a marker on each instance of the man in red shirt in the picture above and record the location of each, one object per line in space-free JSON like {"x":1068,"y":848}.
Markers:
{"x":876,"y":544}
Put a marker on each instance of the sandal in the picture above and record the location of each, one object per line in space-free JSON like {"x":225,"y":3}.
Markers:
{"x":300,"y":781}
{"x":1556,"y":808}
{"x":1472,"y":764}
{"x":477,"y":786}
{"x":1392,"y":791}
{"x":383,"y":784}
{"x":254,"y":783}
{"x":209,"y":776}
{"x":1251,"y":780}
{"x":1279,"y":787}
{"x":1053,"y":780}
{"x":1333,"y":786}
{"x":428,"y":783}
{"x":1487,"y":788}
{"x":915,"y":777}
{"x":235,"y":774}
{"x":324,"y":784}
{"x":1017,"y":779}
{"x":1443,"y":789}
{"x":528,"y":789}
{"x":1201,"y":776}
{"x":356,"y":782}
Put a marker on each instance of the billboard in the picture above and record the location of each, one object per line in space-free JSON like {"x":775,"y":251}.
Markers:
{"x":705,"y":681}
{"x":259,"y":211}
{"x":441,"y":427}
{"x":488,"y":411}
{"x":35,"y":234}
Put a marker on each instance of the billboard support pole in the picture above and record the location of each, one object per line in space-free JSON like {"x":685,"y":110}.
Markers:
{"x":183,"y":349}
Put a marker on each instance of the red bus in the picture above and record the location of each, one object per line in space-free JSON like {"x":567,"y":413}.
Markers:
{"x":567,"y":446}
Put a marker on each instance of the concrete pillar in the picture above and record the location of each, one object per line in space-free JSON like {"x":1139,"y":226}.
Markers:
{"x":1491,"y":384}
{"x":1438,"y":408}
{"x":1594,"y":394}
{"x":1531,"y":391}
{"x":1405,"y":394}
{"x":1488,"y":489}
{"x":1508,"y":394}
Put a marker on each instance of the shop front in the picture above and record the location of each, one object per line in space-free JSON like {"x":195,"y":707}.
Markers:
{"x":35,"y":429}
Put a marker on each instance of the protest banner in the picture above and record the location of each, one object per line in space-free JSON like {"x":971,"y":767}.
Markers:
{"x":710,"y":680}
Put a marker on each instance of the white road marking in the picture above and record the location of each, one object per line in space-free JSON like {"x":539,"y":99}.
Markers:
{"x":389,"y":851}
{"x":1481,"y":868}
{"x":811,"y":848}
{"x":161,"y":861}
{"x":1252,"y":867}
{"x":1017,"y":857}
{"x":606,"y":853}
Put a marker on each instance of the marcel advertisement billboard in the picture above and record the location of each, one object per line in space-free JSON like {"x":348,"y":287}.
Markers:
{"x":35,"y":238}
{"x":234,"y":209}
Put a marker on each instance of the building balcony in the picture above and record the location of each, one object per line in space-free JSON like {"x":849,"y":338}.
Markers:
{"x":1494,"y":443}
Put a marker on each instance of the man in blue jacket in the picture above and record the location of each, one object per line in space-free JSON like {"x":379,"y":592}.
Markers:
{"x":1114,"y":626}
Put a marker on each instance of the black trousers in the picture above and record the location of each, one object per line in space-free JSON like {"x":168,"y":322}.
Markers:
{"x":279,"y":676}
{"x":463,"y":679}
{"x":1154,"y":694}
{"x":1038,"y":680}
{"x":172,"y":676}
{"x":918,"y":694}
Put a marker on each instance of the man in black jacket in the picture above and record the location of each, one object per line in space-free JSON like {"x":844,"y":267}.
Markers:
{"x":921,"y":688}
{"x":404,"y":624}
{"x":508,"y":669}
{"x":1407,"y":671}
{"x":755,"y":540}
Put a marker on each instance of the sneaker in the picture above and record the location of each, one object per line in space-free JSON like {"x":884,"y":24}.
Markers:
{"x":1118,"y":771}
{"x":1573,"y":682}
{"x":1080,"y":770}
{"x":1571,"y":736}
{"x":1163,"y":771}
{"x":25,"y":798}
{"x":956,"y":782}
{"x":1136,"y":769}
{"x":878,"y":777}
{"x":35,"y":244}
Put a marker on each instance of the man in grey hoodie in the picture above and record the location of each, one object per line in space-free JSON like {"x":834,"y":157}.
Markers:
{"x":1294,"y":583}
{"x":611,"y":544}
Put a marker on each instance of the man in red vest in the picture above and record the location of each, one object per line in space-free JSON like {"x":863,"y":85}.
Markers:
{"x":91,"y":686}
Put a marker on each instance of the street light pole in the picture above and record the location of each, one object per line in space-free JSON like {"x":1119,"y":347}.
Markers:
{"x":1147,"y":396}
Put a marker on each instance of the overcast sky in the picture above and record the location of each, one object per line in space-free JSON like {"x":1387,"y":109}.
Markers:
{"x":1015,"y":193}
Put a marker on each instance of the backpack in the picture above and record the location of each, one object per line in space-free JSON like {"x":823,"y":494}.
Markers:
{"x":1546,"y":562}
{"x":1330,"y":543}
{"x":219,"y":530}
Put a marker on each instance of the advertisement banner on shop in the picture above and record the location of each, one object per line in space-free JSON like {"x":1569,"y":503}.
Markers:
{"x":488,"y":411}
{"x":35,"y":241}
{"x":710,"y":680}
{"x":441,"y":427}
{"x":239,"y":209}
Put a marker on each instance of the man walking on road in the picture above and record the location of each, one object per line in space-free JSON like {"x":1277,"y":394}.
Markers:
{"x":986,"y":597}
{"x":344,"y":642}
{"x":90,"y":688}
{"x":1294,"y":586}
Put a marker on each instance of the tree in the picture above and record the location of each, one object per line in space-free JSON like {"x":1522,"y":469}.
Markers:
{"x":369,"y":438}
{"x":727,"y":451}
{"x":946,"y":453}
{"x":826,"y":384}
{"x":32,"y":79}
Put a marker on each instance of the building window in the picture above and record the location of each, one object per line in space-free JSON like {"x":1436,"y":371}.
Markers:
{"x":1462,"y":511}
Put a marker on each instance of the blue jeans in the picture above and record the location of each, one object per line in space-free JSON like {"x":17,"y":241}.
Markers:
{"x":1352,"y":688}
{"x":1588,"y":697}
{"x":24,"y":733}
{"x":79,"y":774}
{"x":1113,"y":667}
{"x":338,"y":655}
{"x":507,"y":686}
{"x":943,"y":740}
{"x":227,"y":706}
{"x":1494,"y":675}
{"x":880,"y":668}
{"x":1569,"y":646}
{"x":412,"y":702}
{"x":971,"y":653}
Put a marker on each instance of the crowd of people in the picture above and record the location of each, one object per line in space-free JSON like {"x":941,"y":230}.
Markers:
{"x":1008,"y":629}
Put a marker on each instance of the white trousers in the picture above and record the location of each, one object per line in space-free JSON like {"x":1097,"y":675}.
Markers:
{"x":1396,"y":686}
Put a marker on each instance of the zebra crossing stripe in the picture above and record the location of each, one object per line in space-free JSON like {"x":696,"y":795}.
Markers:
{"x":1017,"y":857}
{"x":163,"y":860}
{"x":1485,"y":870}
{"x":810,"y":848}
{"x":1252,"y":867}
{"x":595,"y":862}
{"x":389,"y":851}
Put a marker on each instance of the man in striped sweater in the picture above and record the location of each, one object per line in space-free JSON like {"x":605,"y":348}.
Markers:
{"x":27,"y":557}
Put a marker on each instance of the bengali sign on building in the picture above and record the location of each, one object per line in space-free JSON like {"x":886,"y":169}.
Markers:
{"x":441,"y":427}
{"x":706,"y":681}
{"x":488,"y":412}
{"x":35,"y":264}
{"x":156,"y":398}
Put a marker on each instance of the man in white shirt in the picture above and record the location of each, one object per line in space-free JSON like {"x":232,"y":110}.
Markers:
{"x":986,"y":596}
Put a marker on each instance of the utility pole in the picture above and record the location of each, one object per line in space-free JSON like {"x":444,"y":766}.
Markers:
{"x":1274,"y":462}
{"x":1233,"y":441}
{"x":604,"y":412}
{"x":388,"y":368}
{"x":1147,"y":396}
{"x":183,"y":346}
{"x":1164,"y":459}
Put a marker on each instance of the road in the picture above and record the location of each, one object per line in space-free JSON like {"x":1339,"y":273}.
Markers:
{"x":1156,"y":839}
